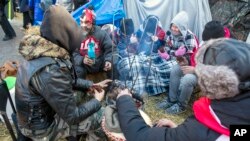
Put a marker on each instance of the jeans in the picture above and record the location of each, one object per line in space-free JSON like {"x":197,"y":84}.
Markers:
{"x":181,"y":86}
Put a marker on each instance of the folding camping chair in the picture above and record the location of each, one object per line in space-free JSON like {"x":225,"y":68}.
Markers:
{"x":4,"y":96}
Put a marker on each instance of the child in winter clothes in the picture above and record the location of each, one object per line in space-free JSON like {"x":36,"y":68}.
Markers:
{"x":182,"y":77}
{"x":223,"y":76}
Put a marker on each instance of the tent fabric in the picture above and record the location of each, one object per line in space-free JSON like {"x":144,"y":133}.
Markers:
{"x":198,"y":12}
{"x":38,"y":12}
{"x":105,"y":10}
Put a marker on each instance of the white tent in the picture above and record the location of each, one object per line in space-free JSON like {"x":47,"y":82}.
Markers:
{"x":198,"y":11}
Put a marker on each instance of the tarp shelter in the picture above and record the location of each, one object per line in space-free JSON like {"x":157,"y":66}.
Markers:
{"x":38,"y":12}
{"x":109,"y":10}
{"x":106,"y":11}
{"x":198,"y":12}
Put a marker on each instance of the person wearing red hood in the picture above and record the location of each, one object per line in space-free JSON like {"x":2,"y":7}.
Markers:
{"x":223,"y":75}
{"x":46,"y":83}
{"x":95,"y":52}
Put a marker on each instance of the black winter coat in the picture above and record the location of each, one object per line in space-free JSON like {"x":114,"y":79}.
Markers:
{"x":228,"y":111}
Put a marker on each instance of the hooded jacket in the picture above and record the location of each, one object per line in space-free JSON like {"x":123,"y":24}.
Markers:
{"x":222,"y":70}
{"x":103,"y":49}
{"x":186,"y":39}
{"x":46,"y":79}
{"x":24,"y":5}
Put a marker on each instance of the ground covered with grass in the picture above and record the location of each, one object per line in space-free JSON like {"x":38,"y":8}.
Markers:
{"x":149,"y":108}
{"x":155,"y":114}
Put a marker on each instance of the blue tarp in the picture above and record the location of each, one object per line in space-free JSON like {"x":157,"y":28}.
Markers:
{"x":38,"y":11}
{"x":105,"y":10}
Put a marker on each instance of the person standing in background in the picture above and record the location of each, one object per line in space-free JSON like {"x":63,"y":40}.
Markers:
{"x":8,"y":30}
{"x":79,"y":3}
{"x":24,"y":8}
{"x":68,"y":4}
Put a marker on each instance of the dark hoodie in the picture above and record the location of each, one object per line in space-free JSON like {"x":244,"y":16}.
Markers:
{"x":59,"y":27}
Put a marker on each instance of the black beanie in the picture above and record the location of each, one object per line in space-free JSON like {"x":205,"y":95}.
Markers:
{"x":213,"y":30}
{"x":127,"y":26}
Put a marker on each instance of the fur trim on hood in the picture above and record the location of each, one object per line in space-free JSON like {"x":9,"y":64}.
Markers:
{"x":222,"y":66}
{"x":35,"y":46}
{"x":215,"y":83}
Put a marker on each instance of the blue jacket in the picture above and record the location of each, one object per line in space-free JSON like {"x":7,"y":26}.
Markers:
{"x":24,"y":5}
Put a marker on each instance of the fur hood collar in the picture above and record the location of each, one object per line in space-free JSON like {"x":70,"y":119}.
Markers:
{"x":35,"y":46}
{"x":223,"y":68}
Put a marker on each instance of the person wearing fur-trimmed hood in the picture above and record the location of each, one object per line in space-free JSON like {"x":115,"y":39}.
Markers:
{"x":46,"y":83}
{"x":223,"y":75}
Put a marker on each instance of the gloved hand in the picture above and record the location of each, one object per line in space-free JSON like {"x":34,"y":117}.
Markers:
{"x":163,"y":55}
{"x":180,"y":51}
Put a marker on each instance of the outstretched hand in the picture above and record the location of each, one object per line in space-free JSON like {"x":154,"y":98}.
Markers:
{"x":103,"y":84}
{"x":165,"y":123}
{"x":99,"y":86}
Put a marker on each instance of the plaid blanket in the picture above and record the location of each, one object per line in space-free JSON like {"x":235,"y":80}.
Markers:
{"x":134,"y":70}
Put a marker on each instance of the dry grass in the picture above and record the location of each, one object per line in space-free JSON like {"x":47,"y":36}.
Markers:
{"x":150,"y":110}
{"x":34,"y":30}
{"x":155,"y":114}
